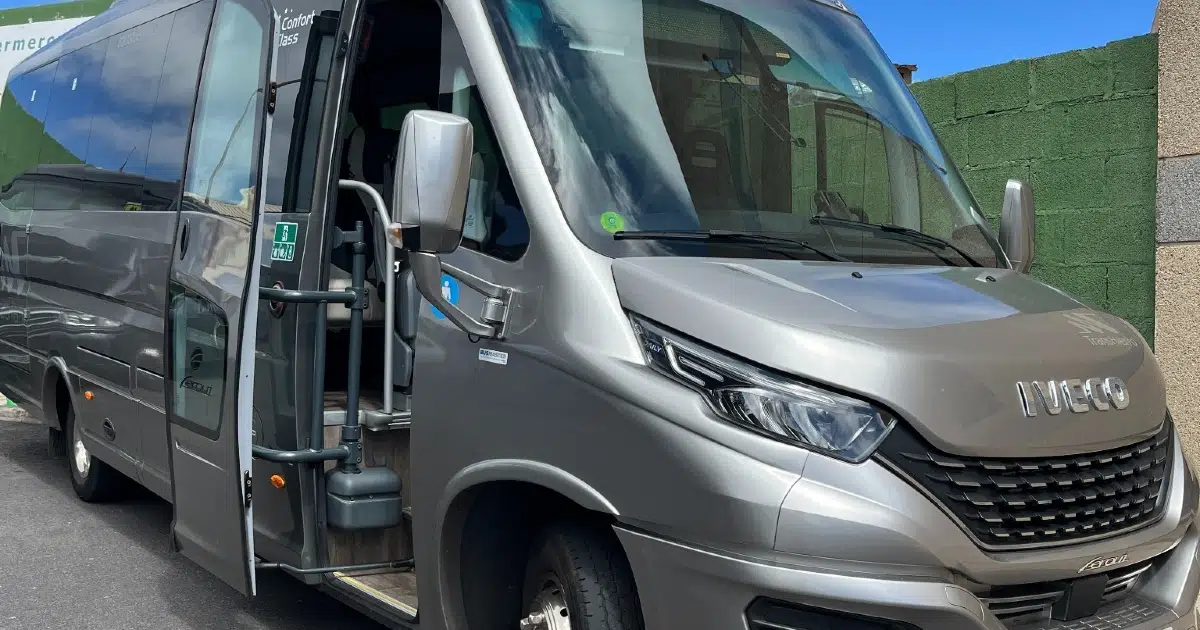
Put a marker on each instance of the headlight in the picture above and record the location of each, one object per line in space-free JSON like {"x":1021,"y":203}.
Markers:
{"x":787,"y":410}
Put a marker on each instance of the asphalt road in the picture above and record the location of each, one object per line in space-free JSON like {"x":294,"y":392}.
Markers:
{"x":67,"y":564}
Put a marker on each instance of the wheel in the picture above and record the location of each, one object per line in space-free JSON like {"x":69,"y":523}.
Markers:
{"x":577,"y":578}
{"x":93,"y":480}
{"x":57,"y":444}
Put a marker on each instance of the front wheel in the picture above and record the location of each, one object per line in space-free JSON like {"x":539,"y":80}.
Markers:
{"x":577,"y":578}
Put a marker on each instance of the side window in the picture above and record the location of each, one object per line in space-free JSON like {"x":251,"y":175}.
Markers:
{"x":21,"y":127}
{"x":495,"y":223}
{"x":173,"y":106}
{"x":198,"y":340}
{"x":68,"y":129}
{"x":221,"y":161}
{"x":306,"y":49}
{"x":124,"y":111}
{"x":21,"y":117}
{"x":7,"y":107}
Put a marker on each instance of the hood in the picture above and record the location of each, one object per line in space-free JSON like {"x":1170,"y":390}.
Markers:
{"x":942,"y":347}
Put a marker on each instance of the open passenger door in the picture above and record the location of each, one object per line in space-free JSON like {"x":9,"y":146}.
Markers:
{"x":214,"y":296}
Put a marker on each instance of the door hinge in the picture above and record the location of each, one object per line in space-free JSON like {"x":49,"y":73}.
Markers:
{"x":248,"y":487}
{"x":272,"y":92}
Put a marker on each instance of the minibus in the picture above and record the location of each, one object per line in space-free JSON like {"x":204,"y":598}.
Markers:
{"x":567,"y":314}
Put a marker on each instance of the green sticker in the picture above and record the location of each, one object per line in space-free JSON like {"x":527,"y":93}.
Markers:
{"x":283,"y":246}
{"x":612,"y":222}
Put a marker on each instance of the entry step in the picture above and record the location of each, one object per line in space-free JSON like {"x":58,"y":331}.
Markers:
{"x":370,"y":414}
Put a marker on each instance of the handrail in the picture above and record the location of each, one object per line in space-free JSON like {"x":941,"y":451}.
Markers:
{"x":349,"y":451}
{"x":305,"y":456}
{"x":389,"y":278}
{"x":293,"y":296}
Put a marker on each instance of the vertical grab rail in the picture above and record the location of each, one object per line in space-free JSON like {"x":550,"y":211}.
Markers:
{"x":389,"y":275}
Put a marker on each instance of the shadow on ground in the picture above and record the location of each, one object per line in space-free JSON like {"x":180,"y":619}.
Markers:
{"x":67,"y":564}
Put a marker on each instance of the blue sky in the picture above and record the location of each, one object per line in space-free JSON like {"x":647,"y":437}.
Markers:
{"x":947,"y":36}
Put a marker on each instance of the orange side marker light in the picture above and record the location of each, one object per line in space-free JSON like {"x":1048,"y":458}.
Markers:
{"x":277,"y":481}
{"x":88,"y":395}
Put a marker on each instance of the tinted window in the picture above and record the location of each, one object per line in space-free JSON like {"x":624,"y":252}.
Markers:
{"x":198,"y":347}
{"x":220,"y":172}
{"x":124,"y":113}
{"x":6,"y":104}
{"x":173,"y":107}
{"x":293,"y":144}
{"x":68,"y":128}
{"x":21,"y":118}
{"x":495,"y":223}
{"x":22,"y":113}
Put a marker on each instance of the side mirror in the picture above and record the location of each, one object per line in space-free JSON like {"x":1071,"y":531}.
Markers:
{"x":433,"y":170}
{"x":432,"y":179}
{"x":1017,"y":225}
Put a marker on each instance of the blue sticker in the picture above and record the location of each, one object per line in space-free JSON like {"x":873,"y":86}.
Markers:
{"x":450,"y":292}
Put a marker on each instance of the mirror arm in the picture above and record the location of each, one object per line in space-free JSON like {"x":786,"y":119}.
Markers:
{"x":489,"y":289}
{"x":427,"y":271}
{"x":499,"y":298}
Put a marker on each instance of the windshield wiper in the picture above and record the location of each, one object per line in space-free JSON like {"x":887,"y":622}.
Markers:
{"x":772,"y":243}
{"x":909,"y":235}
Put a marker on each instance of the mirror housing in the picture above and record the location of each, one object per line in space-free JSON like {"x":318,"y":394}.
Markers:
{"x":433,"y":170}
{"x":1018,"y":225}
{"x":432,"y":180}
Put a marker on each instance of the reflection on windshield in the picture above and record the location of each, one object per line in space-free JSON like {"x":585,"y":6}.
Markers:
{"x":692,"y":115}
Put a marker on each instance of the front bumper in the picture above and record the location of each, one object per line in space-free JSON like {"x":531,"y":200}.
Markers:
{"x":681,"y":586}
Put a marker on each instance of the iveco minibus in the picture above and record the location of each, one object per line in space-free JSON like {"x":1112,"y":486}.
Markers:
{"x":567,"y":314}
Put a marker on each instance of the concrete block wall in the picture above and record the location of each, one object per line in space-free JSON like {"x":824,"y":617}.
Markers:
{"x":1081,"y":128}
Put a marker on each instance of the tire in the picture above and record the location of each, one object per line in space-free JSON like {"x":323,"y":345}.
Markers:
{"x":577,"y":578}
{"x":93,"y":480}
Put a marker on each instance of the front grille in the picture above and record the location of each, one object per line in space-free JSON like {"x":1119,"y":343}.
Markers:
{"x":1004,"y":502}
{"x":1120,"y":615}
{"x":1032,"y":602}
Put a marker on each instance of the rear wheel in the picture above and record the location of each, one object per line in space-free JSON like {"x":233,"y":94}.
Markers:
{"x":93,"y":480}
{"x":577,"y":578}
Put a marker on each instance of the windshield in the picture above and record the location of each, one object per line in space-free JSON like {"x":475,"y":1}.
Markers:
{"x":749,"y":116}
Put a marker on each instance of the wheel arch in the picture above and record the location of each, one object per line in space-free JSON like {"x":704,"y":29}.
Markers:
{"x":488,"y":515}
{"x":57,"y":393}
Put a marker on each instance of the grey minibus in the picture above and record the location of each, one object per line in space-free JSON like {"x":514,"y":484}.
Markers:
{"x":566,"y":314}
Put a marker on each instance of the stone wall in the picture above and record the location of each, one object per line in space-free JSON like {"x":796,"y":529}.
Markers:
{"x":1177,"y":295}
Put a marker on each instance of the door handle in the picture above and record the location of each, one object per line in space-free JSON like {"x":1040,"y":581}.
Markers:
{"x":183,"y":238}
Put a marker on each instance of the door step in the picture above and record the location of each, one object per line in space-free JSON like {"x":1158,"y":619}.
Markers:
{"x":394,"y":589}
{"x":371,"y":419}
{"x":370,"y":414}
